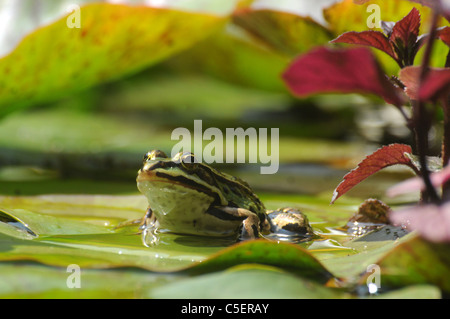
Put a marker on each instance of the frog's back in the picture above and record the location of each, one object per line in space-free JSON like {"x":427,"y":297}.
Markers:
{"x":238,"y":192}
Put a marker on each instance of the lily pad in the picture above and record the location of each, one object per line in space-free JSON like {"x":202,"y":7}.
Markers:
{"x":113,"y":40}
{"x":415,"y":261}
{"x":286,"y":256}
{"x":39,"y":281}
{"x":246,"y":282}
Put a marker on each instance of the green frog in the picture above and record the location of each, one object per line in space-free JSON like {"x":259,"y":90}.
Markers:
{"x":189,"y":197}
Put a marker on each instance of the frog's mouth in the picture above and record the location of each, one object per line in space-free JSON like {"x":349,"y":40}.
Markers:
{"x":160,"y":177}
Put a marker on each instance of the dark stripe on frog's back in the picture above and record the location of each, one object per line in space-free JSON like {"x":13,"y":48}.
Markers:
{"x":191,"y":183}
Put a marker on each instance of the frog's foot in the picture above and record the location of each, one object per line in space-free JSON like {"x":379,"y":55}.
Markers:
{"x":250,"y":221}
{"x":148,"y":229}
{"x":290,"y":222}
{"x":127,"y":223}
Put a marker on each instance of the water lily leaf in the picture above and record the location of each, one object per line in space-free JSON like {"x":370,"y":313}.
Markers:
{"x":20,"y":280}
{"x":286,"y":256}
{"x":244,"y":283}
{"x":284,"y":32}
{"x":254,"y":49}
{"x":45,"y":225}
{"x":113,"y":40}
{"x":415,"y":261}
{"x":412,"y":292}
{"x":235,"y":58}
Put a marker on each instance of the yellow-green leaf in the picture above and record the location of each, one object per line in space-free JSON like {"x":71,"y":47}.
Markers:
{"x":284,"y":32}
{"x":112,"y":41}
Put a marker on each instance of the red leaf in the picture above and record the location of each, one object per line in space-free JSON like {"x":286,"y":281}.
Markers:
{"x":410,"y":78}
{"x":407,"y":29}
{"x":352,"y":70}
{"x":386,"y":156}
{"x":444,"y":35}
{"x":374,"y":39}
{"x":436,"y":85}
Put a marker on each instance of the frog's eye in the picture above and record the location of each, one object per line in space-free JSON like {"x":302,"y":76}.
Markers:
{"x":152,"y":155}
{"x":188,"y":160}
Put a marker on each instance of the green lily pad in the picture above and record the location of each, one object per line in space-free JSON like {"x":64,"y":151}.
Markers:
{"x":246,"y":282}
{"x":415,"y":261}
{"x":113,"y":40}
{"x":286,"y":256}
{"x":39,"y":281}
{"x":45,"y":225}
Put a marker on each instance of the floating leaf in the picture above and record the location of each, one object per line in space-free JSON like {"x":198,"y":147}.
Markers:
{"x":30,"y":280}
{"x":386,"y":156}
{"x":113,"y":40}
{"x":285,"y":256}
{"x":352,"y":70}
{"x":246,"y":282}
{"x":45,"y":225}
{"x":415,"y":261}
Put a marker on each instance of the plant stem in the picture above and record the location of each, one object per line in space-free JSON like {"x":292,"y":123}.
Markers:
{"x":422,"y":119}
{"x":422,"y":123}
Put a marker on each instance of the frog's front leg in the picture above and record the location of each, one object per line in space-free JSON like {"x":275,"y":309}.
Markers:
{"x":149,"y":228}
{"x":250,"y":221}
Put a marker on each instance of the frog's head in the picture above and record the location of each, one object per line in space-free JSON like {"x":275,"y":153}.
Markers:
{"x":179,"y":180}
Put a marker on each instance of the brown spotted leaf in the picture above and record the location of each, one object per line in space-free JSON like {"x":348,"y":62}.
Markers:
{"x":389,"y":155}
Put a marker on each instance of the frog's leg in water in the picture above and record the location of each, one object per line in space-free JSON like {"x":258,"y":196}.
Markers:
{"x":149,"y":228}
{"x":142,"y":222}
{"x":250,"y":221}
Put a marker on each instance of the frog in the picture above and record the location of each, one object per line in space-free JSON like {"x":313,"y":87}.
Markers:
{"x":189,"y":197}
